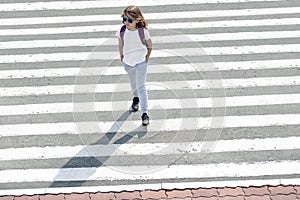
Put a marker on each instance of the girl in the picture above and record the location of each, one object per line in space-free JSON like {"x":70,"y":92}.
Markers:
{"x":135,"y":48}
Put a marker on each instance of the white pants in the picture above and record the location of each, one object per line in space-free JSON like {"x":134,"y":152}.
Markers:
{"x":137,"y":76}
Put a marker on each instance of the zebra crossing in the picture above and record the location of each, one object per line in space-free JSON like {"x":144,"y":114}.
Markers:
{"x":223,"y":86}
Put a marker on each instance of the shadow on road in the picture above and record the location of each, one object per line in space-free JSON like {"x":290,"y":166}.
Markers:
{"x":91,"y":162}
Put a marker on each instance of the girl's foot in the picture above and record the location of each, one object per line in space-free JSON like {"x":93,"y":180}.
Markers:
{"x":135,"y":104}
{"x":145,"y":119}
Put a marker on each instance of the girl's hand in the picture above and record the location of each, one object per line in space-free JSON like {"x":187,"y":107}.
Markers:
{"x":147,"y":58}
{"x":149,"y":49}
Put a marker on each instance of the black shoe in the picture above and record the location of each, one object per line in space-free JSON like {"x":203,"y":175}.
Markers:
{"x":135,"y":104}
{"x":145,"y":119}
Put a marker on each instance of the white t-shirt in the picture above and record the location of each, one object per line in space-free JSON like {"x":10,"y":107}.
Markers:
{"x":134,"y":50}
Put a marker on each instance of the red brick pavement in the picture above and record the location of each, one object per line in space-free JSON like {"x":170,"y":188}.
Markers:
{"x":239,"y":193}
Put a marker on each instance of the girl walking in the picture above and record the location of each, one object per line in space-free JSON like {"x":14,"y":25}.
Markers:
{"x":135,"y":48}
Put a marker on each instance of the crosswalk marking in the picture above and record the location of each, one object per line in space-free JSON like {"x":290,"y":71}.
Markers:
{"x":156,"y":39}
{"x":65,"y":5}
{"x":151,"y":86}
{"x":167,"y":68}
{"x":49,"y":141}
{"x":150,"y":16}
{"x":290,"y":48}
{"x":237,"y":101}
{"x":178,"y":25}
{"x":154,"y":172}
{"x":175,"y":124}
{"x":256,"y":144}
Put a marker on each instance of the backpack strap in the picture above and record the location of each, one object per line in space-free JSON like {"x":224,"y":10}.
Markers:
{"x":122,"y":31}
{"x":141,"y":34}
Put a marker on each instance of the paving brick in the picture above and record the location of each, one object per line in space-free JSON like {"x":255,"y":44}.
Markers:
{"x":84,"y":196}
{"x":231,"y":198}
{"x":297,"y":188}
{"x":206,"y":198}
{"x":202,"y":192}
{"x":254,"y":197}
{"x":128,"y":195}
{"x":281,"y":190}
{"x":284,"y":197}
{"x":103,"y":196}
{"x":52,"y":197}
{"x":257,"y":191}
{"x":251,"y":193}
{"x":35,"y":197}
{"x":231,"y":192}
{"x":7,"y":198}
{"x":151,"y":194}
{"x":179,"y":194}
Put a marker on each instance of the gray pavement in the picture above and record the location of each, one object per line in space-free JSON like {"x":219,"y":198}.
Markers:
{"x":87,"y":166}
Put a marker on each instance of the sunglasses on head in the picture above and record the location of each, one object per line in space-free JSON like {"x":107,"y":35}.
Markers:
{"x":125,"y":19}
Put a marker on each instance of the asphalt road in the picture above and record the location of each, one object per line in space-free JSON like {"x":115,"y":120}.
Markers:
{"x":223,"y":84}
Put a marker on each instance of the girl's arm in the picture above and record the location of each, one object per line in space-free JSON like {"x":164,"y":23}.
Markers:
{"x":121,"y":48}
{"x":149,"y":48}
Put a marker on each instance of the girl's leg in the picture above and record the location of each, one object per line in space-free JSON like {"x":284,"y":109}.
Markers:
{"x":132,"y":78}
{"x":141,"y":74}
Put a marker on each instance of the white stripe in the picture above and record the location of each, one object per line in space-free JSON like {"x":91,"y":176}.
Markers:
{"x":66,"y":5}
{"x":167,"y":68}
{"x":149,"y":16}
{"x":282,"y":48}
{"x":184,"y":25}
{"x":156,"y":125}
{"x":151,"y":86}
{"x":56,"y":43}
{"x":157,"y":172}
{"x":156,"y":39}
{"x":156,"y":149}
{"x":48,"y":108}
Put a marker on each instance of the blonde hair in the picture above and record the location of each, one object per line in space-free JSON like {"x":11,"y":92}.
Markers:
{"x":136,"y":13}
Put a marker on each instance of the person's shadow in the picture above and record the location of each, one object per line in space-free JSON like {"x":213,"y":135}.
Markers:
{"x":94,"y":162}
